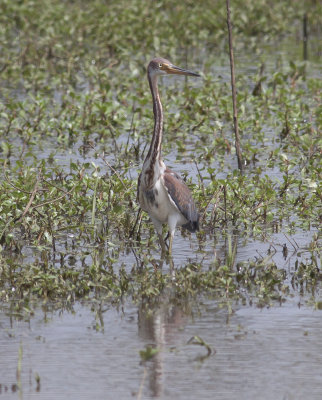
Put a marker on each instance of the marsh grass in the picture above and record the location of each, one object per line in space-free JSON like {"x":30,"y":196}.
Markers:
{"x":75,"y":122}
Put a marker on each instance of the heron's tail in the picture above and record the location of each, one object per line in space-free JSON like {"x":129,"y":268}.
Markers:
{"x":192,"y":226}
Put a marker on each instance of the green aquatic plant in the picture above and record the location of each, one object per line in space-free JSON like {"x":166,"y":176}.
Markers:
{"x":74,"y":123}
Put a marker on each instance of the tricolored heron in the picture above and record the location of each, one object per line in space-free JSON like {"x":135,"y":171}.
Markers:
{"x":161,"y":192}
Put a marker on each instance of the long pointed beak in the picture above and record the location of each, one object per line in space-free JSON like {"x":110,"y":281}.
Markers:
{"x":172,"y":69}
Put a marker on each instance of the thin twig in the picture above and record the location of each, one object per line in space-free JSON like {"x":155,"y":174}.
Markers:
{"x":54,"y":200}
{"x":55,"y":186}
{"x":19,"y":189}
{"x":216,"y":194}
{"x":142,"y":383}
{"x":291,"y":242}
{"x":136,"y":222}
{"x":31,"y":199}
{"x":200,"y":177}
{"x":108,"y":164}
{"x":305,"y":37}
{"x":225,"y":202}
{"x":233,"y":89}
{"x":33,"y":194}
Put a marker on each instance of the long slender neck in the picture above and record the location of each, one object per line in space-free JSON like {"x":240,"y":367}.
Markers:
{"x":154,"y":153}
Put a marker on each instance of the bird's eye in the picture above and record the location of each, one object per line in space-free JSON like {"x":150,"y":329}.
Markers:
{"x":160,"y":65}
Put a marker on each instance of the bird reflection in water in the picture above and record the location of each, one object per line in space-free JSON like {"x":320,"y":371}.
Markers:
{"x":160,"y":326}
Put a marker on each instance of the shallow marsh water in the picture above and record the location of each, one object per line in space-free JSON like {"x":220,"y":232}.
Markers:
{"x":256,"y":353}
{"x":92,"y":351}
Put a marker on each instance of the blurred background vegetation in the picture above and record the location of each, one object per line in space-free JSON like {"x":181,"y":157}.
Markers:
{"x":52,"y":34}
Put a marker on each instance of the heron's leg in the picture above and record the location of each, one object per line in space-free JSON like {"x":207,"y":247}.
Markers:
{"x":162,"y":244}
{"x":170,"y":244}
{"x":170,"y":259}
{"x":172,"y":222}
{"x":158,"y":228}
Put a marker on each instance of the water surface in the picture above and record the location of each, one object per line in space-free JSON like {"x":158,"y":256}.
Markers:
{"x":257,"y":353}
{"x":93,"y":351}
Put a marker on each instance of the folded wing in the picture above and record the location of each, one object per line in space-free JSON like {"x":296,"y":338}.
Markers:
{"x":180,"y":194}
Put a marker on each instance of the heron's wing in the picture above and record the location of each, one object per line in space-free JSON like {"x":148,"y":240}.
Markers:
{"x":180,"y":194}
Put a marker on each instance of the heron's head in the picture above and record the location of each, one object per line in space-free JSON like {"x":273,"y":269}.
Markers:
{"x":161,"y":66}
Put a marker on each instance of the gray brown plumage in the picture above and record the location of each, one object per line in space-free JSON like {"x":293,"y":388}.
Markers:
{"x":161,"y":192}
